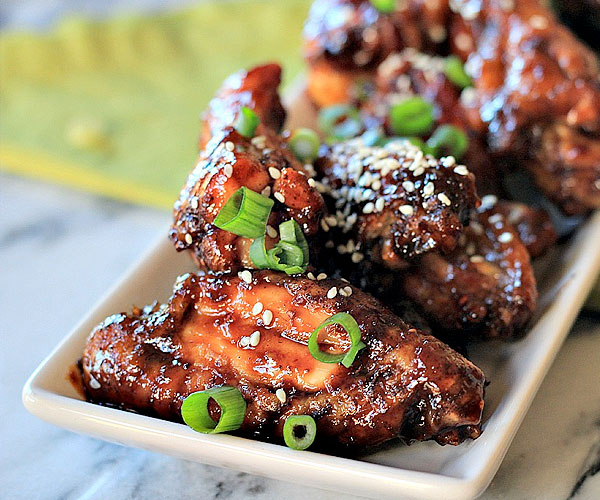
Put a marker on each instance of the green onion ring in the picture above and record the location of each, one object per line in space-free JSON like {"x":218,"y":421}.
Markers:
{"x":304,"y":423}
{"x":247,"y":122}
{"x":413,"y":116}
{"x":448,"y":140}
{"x":455,"y":71}
{"x":194,"y":410}
{"x":291,"y":232}
{"x":290,"y":254}
{"x":348,"y":323}
{"x":245,"y":213}
{"x":385,"y":6}
{"x":304,"y":143}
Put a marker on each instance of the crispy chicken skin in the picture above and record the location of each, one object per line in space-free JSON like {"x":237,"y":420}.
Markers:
{"x":256,"y":89}
{"x":486,"y":288}
{"x":403,"y":384}
{"x":534,"y":82}
{"x":392,"y":203}
{"x":228,"y":161}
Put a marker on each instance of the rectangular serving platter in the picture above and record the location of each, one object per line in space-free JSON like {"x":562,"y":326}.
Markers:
{"x":422,"y":470}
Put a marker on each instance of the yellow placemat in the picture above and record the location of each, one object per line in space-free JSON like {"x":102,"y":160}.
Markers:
{"x":113,"y":107}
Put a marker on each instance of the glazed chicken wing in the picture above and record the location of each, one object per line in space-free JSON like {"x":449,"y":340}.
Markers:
{"x":264,"y":164}
{"x":485,"y":288}
{"x":252,"y":334}
{"x":392,"y":203}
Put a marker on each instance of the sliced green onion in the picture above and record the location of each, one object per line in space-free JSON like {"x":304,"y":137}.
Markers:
{"x":245,"y":213}
{"x":385,"y":6}
{"x":455,"y":71}
{"x":348,"y":323}
{"x":291,"y":232}
{"x":247,"y":122}
{"x":448,"y":140}
{"x":413,"y":116}
{"x":340,"y":122}
{"x":299,"y":431}
{"x":194,"y":410}
{"x":305,"y":143}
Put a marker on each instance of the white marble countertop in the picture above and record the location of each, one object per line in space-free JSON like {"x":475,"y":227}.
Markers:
{"x":60,"y":250}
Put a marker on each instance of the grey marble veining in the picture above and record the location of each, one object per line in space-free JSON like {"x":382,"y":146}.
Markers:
{"x":60,"y":250}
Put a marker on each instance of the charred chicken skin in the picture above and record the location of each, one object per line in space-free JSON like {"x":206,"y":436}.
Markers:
{"x":392,"y":203}
{"x":402,"y":384}
{"x":536,"y":88}
{"x":263,"y":163}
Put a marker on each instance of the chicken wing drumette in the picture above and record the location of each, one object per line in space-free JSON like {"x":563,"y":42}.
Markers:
{"x":392,"y":203}
{"x":229,"y":160}
{"x":402,"y":384}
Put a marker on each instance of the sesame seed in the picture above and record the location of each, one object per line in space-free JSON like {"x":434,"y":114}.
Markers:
{"x":368,"y":208}
{"x":246,"y":276}
{"x":324,"y":225}
{"x":255,"y":338}
{"x":419,"y":171}
{"x":267,"y":317}
{"x":448,"y":161}
{"x":271,"y":231}
{"x":228,"y":170}
{"x":279,"y":197}
{"x":428,"y":189}
{"x":505,"y":237}
{"x":94,"y":384}
{"x":476,"y":227}
{"x":495,"y":218}
{"x":348,"y":290}
{"x":357,"y":257}
{"x":332,"y":292}
{"x":258,"y":307}
{"x":406,"y":210}
{"x":194,"y":202}
{"x":461,"y":170}
{"x":408,"y":186}
{"x":312,"y":183}
{"x":488,"y":201}
{"x":379,"y":204}
{"x":274,"y":172}
{"x":343,"y":292}
{"x":259,"y":141}
{"x":538,"y":22}
{"x":321,"y":276}
{"x":311,"y":276}
{"x":245,"y":341}
{"x":444,"y":199}
{"x":476,"y":258}
{"x":266,"y":191}
{"x":188,"y":238}
{"x":376,"y":184}
{"x":229,"y":146}
{"x":281,"y":395}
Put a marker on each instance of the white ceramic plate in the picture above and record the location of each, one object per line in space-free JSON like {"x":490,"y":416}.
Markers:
{"x":423,"y":470}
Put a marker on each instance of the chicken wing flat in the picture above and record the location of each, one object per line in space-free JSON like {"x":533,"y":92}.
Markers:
{"x":264,"y":164}
{"x":485,"y":288}
{"x":392,"y":203}
{"x":534,"y":82}
{"x":403,"y":384}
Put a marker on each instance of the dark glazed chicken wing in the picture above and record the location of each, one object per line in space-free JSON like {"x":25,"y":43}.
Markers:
{"x":403,"y":384}
{"x":264,"y":164}
{"x":392,"y":203}
{"x":485,"y":288}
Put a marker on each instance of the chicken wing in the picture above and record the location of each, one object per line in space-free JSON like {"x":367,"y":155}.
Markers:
{"x":403,"y":384}
{"x":392,"y":203}
{"x":264,"y":164}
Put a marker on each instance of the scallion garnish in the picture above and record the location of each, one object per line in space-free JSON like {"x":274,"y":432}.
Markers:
{"x":289,"y":255}
{"x":348,"y":323}
{"x":413,"y":116}
{"x":299,"y":431}
{"x":455,"y":71}
{"x":305,"y":143}
{"x":245,"y":213}
{"x":195,"y":413}
{"x":340,"y":122}
{"x":448,"y":140}
{"x":385,"y":6}
{"x":247,"y":122}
